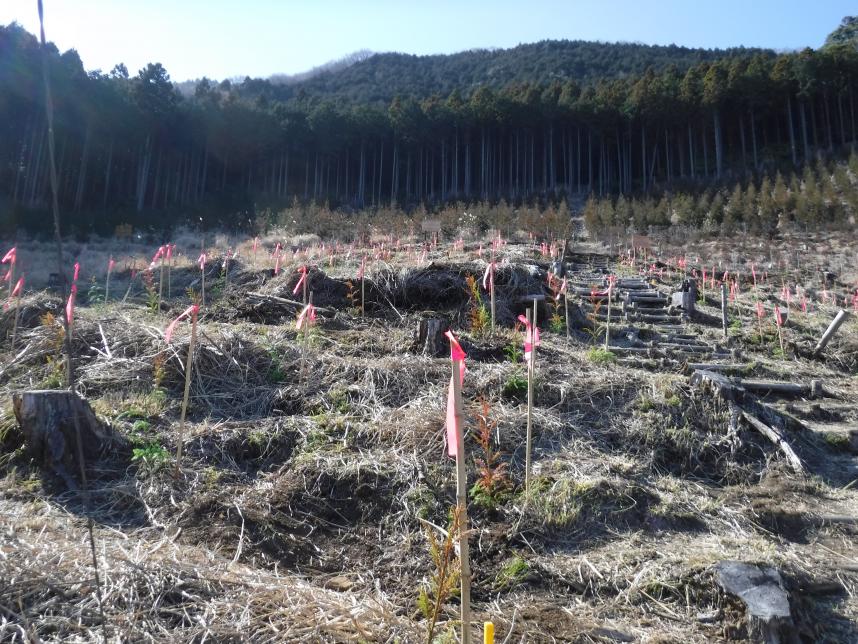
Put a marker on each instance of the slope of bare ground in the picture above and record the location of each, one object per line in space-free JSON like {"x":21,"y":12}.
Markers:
{"x":307,"y":471}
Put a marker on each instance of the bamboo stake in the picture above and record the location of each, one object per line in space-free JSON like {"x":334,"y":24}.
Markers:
{"x":203,"y":288}
{"x":170,"y":263}
{"x":362,"y":292}
{"x":107,"y":281}
{"x":608,"y":321}
{"x":462,"y":506}
{"x":566,"y":312}
{"x":780,"y":332}
{"x":306,"y":339}
{"x":15,"y":323}
{"x":130,"y":281}
{"x":492,"y":291}
{"x":161,"y":283}
{"x":760,"y":323}
{"x":531,"y":317}
{"x":188,"y":367}
{"x":724,"y":307}
{"x":226,"y":271}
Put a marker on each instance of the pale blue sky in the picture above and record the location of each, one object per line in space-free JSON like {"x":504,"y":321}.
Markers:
{"x":225,"y":38}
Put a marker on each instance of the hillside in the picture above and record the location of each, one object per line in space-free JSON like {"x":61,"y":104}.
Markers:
{"x":383,"y":76}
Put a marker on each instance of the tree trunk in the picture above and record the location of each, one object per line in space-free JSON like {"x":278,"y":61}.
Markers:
{"x":803,"y":118}
{"x":691,"y":150}
{"x":81,"y":177}
{"x":716,"y":118}
{"x":107,"y":173}
{"x":754,"y":139}
{"x":791,"y":126}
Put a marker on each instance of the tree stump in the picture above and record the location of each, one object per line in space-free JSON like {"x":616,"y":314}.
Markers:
{"x":686,"y":298}
{"x":51,"y":422}
{"x":430,"y":337}
{"x":762,"y":591}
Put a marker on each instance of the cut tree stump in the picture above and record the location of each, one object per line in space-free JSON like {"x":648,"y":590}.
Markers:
{"x":762,"y":591}
{"x":51,"y":422}
{"x":430,"y":337}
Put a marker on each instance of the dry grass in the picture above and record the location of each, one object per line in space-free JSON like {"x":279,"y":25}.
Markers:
{"x":297,"y":516}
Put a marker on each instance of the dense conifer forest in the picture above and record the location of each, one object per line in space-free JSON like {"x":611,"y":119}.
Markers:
{"x":624,"y":123}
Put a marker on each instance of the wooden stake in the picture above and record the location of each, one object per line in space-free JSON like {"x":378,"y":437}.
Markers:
{"x":724,"y":308}
{"x":107,"y":286}
{"x":188,"y":367}
{"x":169,"y":273}
{"x":462,"y":506}
{"x":362,"y":294}
{"x":203,"y":288}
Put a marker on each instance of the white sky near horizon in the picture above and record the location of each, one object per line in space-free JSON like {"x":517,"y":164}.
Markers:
{"x":225,"y":38}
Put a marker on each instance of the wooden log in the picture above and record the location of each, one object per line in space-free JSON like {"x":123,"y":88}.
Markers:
{"x":62,"y":433}
{"x":430,"y":337}
{"x":784,"y":388}
{"x":290,"y":306}
{"x":719,"y":383}
{"x":693,"y":366}
{"x":838,"y":320}
{"x":777,"y":440}
{"x":688,"y":348}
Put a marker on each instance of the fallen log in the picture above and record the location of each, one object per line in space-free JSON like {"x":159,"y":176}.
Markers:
{"x":292,"y":306}
{"x":814,"y":389}
{"x":695,"y":366}
{"x":838,"y":320}
{"x":777,"y":440}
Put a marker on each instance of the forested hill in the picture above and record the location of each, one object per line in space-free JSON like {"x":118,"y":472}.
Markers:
{"x":130,"y":148}
{"x":381,"y":77}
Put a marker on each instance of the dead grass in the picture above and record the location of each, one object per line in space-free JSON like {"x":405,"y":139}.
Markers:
{"x":297,"y":515}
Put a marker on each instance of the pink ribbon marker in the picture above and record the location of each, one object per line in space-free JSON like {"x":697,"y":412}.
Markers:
{"x":201,"y":260}
{"x":531,"y":338}
{"x":307,"y":315}
{"x":70,"y":305}
{"x":110,"y":264}
{"x":192,"y":310}
{"x":303,"y":271}
{"x":456,"y":354}
{"x":10,"y":257}
{"x":76,"y":272}
{"x":19,"y":286}
{"x":489,"y":277}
